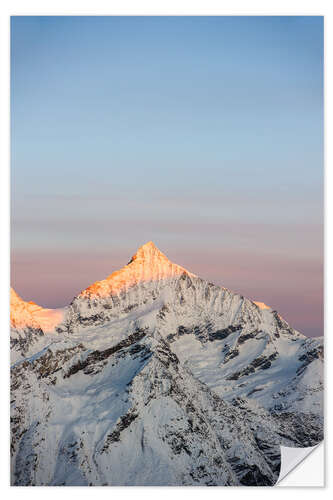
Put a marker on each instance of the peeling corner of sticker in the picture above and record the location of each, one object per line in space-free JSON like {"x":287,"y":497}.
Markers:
{"x":291,"y":458}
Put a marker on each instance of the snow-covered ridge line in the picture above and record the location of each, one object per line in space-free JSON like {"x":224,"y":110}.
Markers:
{"x":28,"y":314}
{"x":157,"y":377}
{"x":148,"y":267}
{"x":148,"y":264}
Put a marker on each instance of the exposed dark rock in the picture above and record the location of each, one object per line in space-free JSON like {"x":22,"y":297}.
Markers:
{"x":96,"y":356}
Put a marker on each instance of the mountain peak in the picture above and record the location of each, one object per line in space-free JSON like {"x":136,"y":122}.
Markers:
{"x":147,"y":253}
{"x":29,"y":314}
{"x":147,"y":264}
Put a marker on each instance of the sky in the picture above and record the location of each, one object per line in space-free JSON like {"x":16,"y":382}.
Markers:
{"x":202,"y":134}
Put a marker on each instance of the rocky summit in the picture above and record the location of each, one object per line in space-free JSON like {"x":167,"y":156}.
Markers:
{"x":155,"y":376}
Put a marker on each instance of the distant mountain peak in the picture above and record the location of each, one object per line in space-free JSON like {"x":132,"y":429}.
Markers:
{"x":147,"y":253}
{"x":147,"y":264}
{"x":29,"y":314}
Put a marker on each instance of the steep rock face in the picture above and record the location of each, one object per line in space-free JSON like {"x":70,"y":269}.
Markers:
{"x":156,"y":376}
{"x":131,"y":414}
{"x":235,"y":346}
{"x":148,"y":265}
{"x":151,"y":281}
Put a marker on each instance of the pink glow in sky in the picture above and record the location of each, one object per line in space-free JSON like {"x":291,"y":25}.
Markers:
{"x":294,"y":287}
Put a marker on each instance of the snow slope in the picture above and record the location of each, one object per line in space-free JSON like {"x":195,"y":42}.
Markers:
{"x":29,"y":322}
{"x":155,"y":376}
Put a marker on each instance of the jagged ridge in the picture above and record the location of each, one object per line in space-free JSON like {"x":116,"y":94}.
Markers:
{"x":153,"y":325}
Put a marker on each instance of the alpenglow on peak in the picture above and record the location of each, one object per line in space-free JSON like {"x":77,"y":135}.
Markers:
{"x":147,"y":253}
{"x":147,"y":264}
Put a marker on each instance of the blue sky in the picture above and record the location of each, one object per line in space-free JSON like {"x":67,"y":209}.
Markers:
{"x":203,"y":134}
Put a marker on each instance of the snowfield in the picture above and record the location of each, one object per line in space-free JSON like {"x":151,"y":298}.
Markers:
{"x":154,"y":376}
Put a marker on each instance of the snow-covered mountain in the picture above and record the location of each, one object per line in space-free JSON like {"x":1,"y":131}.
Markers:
{"x":29,"y":322}
{"x":155,"y":376}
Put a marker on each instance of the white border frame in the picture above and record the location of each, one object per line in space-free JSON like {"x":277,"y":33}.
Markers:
{"x":143,"y":7}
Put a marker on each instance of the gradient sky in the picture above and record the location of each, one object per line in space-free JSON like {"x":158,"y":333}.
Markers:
{"x":203,"y":134}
